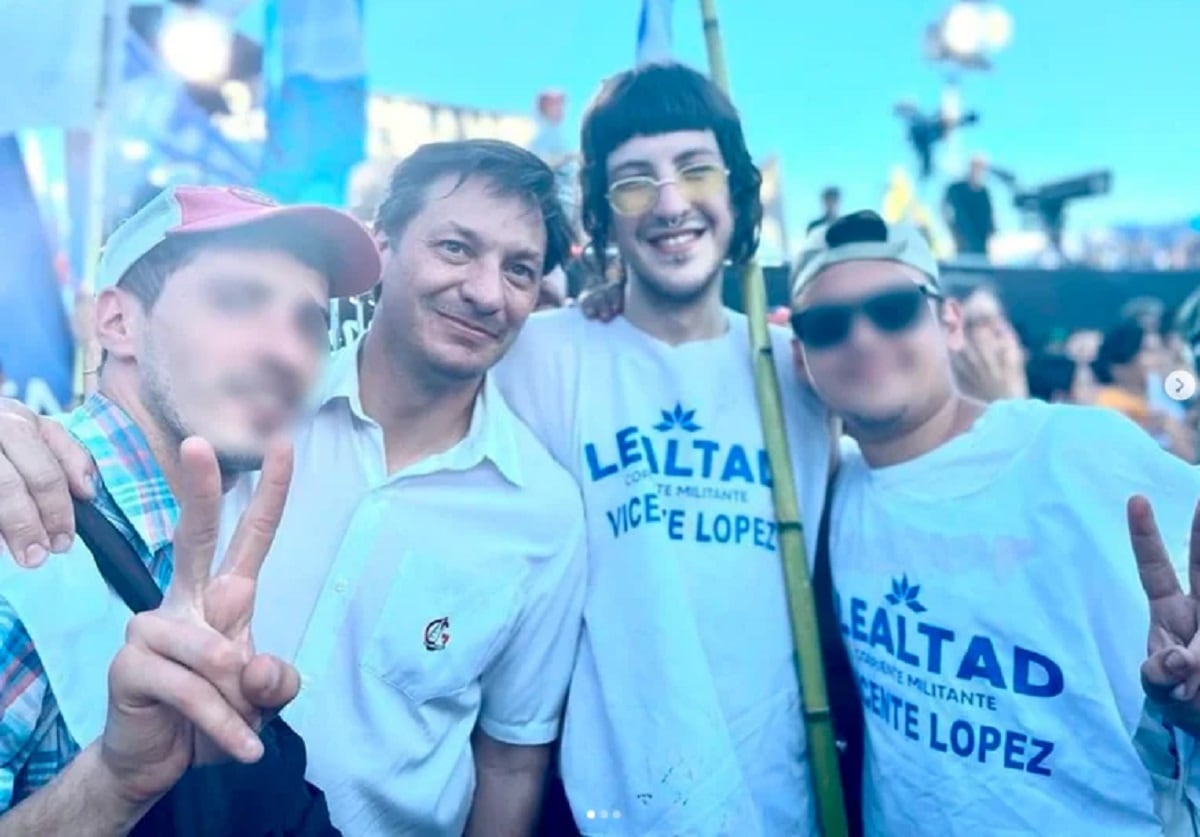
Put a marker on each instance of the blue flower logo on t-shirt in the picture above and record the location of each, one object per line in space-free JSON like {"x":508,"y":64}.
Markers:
{"x":903,"y":594}
{"x":678,"y":417}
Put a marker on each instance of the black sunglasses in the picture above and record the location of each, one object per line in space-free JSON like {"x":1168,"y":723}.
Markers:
{"x":894,"y":311}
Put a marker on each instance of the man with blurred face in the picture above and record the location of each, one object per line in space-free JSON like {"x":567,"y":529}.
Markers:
{"x":980,"y":561}
{"x":684,"y":712}
{"x":212,"y":312}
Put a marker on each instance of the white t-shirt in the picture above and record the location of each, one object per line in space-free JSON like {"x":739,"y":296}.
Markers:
{"x":683,"y":715}
{"x":991,"y":603}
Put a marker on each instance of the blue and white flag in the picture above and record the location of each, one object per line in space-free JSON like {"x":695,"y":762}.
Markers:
{"x":36,"y":346}
{"x":654,"y":31}
{"x":51,"y":52}
{"x":317,"y":105}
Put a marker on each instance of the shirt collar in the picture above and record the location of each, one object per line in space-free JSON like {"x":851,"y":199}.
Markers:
{"x":129,"y":473}
{"x":492,"y":434}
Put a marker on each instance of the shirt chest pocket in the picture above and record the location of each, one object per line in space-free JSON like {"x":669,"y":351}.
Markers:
{"x":442,"y":623}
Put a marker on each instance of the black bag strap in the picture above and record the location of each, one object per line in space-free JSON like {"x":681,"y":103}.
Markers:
{"x":269,"y":798}
{"x":118,"y":563}
{"x":848,"y":721}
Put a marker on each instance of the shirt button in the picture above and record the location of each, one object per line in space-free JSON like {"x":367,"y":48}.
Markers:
{"x":340,"y":586}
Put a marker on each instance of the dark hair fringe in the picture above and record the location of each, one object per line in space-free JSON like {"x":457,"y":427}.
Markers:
{"x":1121,"y":345}
{"x":511,"y":170}
{"x":1049,"y":373}
{"x":661,"y":99}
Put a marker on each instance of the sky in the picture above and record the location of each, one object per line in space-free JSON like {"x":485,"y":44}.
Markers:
{"x":1083,"y":84}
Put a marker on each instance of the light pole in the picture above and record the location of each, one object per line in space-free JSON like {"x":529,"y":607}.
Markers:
{"x":967,"y":36}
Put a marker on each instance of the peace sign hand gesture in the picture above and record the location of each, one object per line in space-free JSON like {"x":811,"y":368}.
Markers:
{"x":1171,"y":672}
{"x":188,"y":688}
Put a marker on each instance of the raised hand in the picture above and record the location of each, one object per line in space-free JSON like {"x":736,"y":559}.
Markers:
{"x":188,"y":688}
{"x":41,"y":466}
{"x":984,"y":368}
{"x":1171,"y":672}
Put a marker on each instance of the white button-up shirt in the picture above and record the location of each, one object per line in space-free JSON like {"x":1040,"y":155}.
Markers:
{"x":418,"y":604}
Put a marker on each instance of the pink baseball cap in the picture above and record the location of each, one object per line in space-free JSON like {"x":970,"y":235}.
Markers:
{"x":185,"y":210}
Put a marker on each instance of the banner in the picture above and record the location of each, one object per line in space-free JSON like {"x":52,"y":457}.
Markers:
{"x":51,"y":53}
{"x":773,"y":246}
{"x":397,"y":125}
{"x":36,"y":347}
{"x":316,"y":106}
{"x":315,"y":136}
{"x":654,"y":31}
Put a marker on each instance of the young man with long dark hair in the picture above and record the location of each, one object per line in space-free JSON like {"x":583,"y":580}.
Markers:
{"x":684,"y":712}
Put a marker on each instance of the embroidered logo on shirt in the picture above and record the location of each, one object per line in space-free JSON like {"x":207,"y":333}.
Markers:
{"x":437,"y":634}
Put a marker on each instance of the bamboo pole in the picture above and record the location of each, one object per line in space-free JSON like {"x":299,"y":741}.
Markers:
{"x":818,"y":720}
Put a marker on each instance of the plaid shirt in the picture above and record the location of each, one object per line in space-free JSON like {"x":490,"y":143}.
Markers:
{"x":34,"y":742}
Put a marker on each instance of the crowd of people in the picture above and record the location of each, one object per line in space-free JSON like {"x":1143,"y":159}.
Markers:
{"x":1125,"y":368}
{"x":247,"y":591}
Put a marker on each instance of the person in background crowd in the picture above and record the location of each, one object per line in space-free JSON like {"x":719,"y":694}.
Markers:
{"x":967,"y":208}
{"x":427,"y":576}
{"x":1122,"y":369}
{"x":1159,"y":353}
{"x":1122,"y":366}
{"x":212,"y":314}
{"x":990,"y":365}
{"x":1177,"y":353}
{"x":1186,"y":334}
{"x":1083,"y":345}
{"x":980,"y":557}
{"x":1187,"y":328}
{"x":1055,"y":377}
{"x":676,"y":719}
{"x":1146,"y":311}
{"x":831,"y":208}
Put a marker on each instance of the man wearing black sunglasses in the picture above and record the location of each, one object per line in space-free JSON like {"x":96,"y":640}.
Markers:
{"x":980,"y":563}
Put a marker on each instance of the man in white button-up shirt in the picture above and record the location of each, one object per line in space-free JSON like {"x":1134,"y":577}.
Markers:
{"x":427,"y":578}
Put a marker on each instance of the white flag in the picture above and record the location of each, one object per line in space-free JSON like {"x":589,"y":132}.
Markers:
{"x":321,"y":38}
{"x":51,"y":54}
{"x":654,"y":31}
